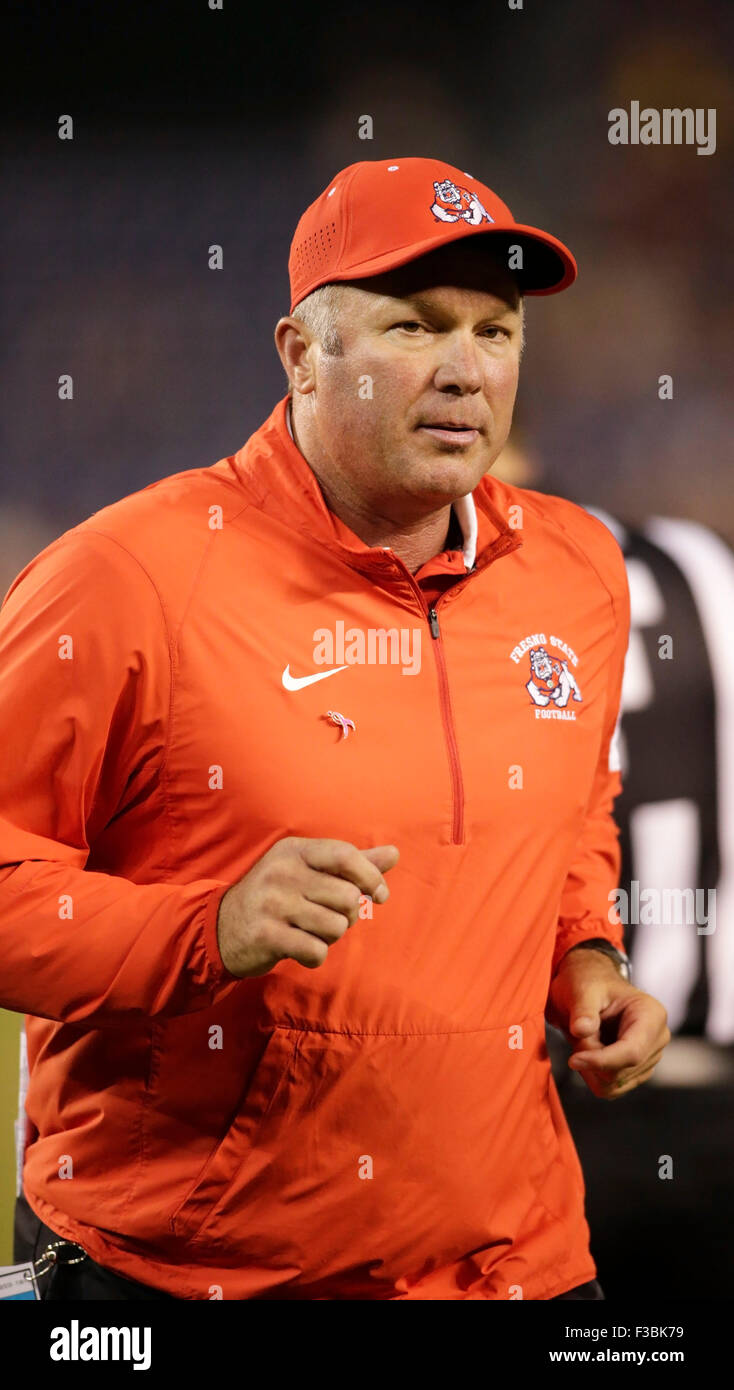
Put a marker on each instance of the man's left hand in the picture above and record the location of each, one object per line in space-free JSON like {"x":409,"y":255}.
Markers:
{"x":618,"y":1032}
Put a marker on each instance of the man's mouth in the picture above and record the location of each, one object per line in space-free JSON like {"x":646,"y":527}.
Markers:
{"x":448,"y":432}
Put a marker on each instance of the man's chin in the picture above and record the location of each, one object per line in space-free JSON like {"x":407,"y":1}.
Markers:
{"x":448,"y":473}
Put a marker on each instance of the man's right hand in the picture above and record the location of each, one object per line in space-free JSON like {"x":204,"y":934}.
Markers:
{"x":296,"y":901}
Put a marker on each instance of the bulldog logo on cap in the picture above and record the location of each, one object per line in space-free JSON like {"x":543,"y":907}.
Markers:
{"x":452,"y":203}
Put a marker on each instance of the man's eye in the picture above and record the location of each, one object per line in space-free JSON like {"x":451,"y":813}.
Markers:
{"x":493,"y":330}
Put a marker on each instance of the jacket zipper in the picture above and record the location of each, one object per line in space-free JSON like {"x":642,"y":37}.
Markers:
{"x":457,"y":780}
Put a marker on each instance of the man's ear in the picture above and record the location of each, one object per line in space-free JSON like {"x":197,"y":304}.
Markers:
{"x":293,"y":343}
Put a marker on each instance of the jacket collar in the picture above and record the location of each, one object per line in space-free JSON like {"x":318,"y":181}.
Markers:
{"x":281,"y":483}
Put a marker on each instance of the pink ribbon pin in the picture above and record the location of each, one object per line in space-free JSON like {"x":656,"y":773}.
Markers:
{"x":344,"y":724}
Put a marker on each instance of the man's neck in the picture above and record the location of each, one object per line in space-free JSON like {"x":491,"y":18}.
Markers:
{"x":414,"y":543}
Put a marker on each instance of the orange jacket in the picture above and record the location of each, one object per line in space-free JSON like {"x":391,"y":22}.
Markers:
{"x":385,"y":1126}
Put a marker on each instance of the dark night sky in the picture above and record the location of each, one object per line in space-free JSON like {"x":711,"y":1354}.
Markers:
{"x":195,"y":126}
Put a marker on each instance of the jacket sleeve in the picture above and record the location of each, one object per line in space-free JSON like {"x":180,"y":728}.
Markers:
{"x":85,"y":686}
{"x":587,"y":902}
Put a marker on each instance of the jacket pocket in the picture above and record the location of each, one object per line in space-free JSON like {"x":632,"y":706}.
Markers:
{"x":262,"y":1099}
{"x":379,"y":1157}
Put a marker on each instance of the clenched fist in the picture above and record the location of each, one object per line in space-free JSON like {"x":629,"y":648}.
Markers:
{"x":297,"y":901}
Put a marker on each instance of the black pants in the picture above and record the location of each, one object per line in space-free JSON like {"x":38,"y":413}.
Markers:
{"x":88,"y":1280}
{"x":67,"y":1282}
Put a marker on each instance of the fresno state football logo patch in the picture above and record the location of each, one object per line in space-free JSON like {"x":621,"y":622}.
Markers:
{"x":451,"y":204}
{"x":551,"y":682}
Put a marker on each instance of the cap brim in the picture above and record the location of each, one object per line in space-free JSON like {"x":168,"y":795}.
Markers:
{"x":548,"y":266}
{"x":551,"y":267}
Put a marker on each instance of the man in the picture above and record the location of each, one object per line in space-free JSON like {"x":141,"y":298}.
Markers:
{"x":289,"y":945}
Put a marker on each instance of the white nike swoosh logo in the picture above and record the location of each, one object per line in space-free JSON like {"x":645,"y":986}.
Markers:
{"x":299,"y":682}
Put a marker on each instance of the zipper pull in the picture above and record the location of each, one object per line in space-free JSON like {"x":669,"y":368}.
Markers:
{"x":433,"y":620}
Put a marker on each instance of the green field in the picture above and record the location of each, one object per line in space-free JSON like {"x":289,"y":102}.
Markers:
{"x":10,"y":1025}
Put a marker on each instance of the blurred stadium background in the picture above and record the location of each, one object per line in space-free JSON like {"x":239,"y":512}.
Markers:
{"x":194,"y":127}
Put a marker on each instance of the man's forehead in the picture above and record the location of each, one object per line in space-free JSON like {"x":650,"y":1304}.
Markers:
{"x":446,"y":297}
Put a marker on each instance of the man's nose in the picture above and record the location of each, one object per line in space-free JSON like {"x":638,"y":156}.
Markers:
{"x":459,"y":366}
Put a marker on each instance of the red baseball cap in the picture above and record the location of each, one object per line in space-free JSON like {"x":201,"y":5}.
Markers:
{"x":382,"y":213}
